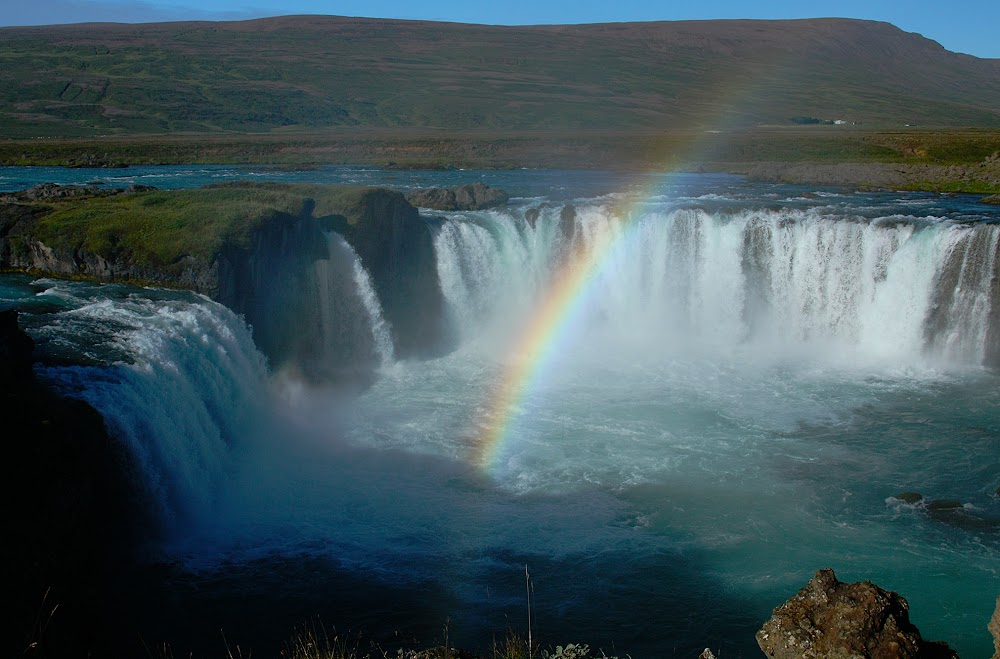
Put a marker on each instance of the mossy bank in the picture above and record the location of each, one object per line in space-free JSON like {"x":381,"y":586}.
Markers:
{"x":241,"y":244}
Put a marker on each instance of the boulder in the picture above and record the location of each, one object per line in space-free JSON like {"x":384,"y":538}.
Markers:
{"x":531,"y":215}
{"x":994,"y":628}
{"x":909,"y":497}
{"x":473,"y":197}
{"x":836,"y":620}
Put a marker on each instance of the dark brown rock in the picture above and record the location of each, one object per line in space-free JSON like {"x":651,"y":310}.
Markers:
{"x":472,"y":197}
{"x":994,"y":628}
{"x":531,"y":215}
{"x":909,"y":497}
{"x":837,"y":620}
{"x":567,"y":222}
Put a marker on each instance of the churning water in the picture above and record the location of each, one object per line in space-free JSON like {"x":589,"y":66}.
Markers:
{"x":734,"y":393}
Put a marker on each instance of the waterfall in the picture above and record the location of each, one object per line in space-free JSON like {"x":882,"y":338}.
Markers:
{"x":189,"y":398}
{"x":353,"y":334}
{"x":896,"y":289}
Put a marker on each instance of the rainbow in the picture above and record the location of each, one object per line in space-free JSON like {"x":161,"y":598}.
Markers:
{"x":553,"y":316}
{"x":541,"y":339}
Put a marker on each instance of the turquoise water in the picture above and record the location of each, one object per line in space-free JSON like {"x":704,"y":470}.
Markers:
{"x":749,"y":379}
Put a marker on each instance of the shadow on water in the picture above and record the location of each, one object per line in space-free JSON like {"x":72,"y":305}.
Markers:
{"x":658,"y":605}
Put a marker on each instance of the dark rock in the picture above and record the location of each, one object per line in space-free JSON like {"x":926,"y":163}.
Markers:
{"x":909,"y":497}
{"x":837,"y":620}
{"x":478,"y":196}
{"x":15,"y":349}
{"x":472,"y":197}
{"x":994,"y":627}
{"x":396,"y":246}
{"x":71,"y":514}
{"x":531,"y":215}
{"x":441,"y":199}
{"x":992,"y":199}
{"x":953,"y":513}
{"x":706,"y":654}
{"x":55,"y":192}
{"x":567,"y":222}
{"x":944,"y":504}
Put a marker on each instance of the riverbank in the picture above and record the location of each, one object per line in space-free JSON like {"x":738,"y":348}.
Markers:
{"x":945,"y":160}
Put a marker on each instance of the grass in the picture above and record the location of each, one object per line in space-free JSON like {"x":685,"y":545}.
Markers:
{"x":160,"y":228}
{"x":288,"y":73}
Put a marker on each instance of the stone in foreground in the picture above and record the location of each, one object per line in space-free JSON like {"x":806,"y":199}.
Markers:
{"x":994,"y":628}
{"x":836,"y":620}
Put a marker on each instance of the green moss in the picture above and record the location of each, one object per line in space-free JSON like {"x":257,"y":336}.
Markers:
{"x":953,"y":185}
{"x":160,"y":228}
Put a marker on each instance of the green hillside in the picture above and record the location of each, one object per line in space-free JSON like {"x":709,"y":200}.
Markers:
{"x":307,"y":72}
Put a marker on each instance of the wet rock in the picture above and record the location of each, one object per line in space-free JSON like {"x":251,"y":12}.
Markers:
{"x":944,"y":504}
{"x":55,"y":192}
{"x":994,"y":628}
{"x":909,"y":497}
{"x":567,"y":222}
{"x":531,"y":215}
{"x":836,"y":620}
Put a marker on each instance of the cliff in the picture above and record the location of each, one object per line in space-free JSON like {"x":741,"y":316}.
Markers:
{"x":248,"y":246}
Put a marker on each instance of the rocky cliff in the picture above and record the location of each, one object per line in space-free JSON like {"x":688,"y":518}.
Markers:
{"x":249,"y":246}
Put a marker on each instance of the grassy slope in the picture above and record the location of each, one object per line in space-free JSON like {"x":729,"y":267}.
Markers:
{"x":161,"y":227}
{"x":310,"y":72}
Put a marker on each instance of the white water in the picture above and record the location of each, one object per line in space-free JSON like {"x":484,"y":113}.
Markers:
{"x":784,"y":282}
{"x":732,"y":403}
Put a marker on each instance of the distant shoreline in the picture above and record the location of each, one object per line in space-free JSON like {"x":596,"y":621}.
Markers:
{"x":938,"y":161}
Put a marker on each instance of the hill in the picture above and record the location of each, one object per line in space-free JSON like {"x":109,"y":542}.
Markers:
{"x":298,"y":73}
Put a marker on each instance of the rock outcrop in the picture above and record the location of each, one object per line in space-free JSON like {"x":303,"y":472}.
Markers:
{"x":396,"y":247}
{"x":260,"y":275}
{"x":833,"y":620}
{"x":994,"y":628}
{"x":472,"y":197}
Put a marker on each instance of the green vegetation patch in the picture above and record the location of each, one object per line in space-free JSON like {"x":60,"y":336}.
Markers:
{"x":160,"y":228}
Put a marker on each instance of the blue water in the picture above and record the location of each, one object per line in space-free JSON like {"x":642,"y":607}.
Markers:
{"x":683,"y":466}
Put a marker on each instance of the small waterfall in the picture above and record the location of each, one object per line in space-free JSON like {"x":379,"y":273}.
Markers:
{"x":896,"y":289}
{"x":326,"y":316}
{"x":381,"y":331}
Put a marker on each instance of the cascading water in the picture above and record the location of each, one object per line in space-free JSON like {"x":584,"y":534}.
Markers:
{"x":892,"y":289}
{"x":734,"y":393}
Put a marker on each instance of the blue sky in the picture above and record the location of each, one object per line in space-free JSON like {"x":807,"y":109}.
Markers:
{"x":967,"y":26}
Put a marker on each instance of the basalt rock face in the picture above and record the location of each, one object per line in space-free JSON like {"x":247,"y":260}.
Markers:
{"x":396,"y":247}
{"x":21,"y":250}
{"x":834,"y":620}
{"x":472,"y":197}
{"x":264,"y":279}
